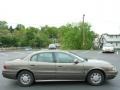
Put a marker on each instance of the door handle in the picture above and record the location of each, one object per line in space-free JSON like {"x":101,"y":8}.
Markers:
{"x":32,"y":65}
{"x":59,"y":66}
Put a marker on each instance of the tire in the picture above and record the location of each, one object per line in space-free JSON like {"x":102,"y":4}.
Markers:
{"x":95,"y":78}
{"x":25,"y":78}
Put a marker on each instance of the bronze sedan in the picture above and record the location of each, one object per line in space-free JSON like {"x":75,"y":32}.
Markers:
{"x":58,"y":65}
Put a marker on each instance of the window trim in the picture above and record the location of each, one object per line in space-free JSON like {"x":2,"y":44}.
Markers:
{"x":32,"y":56}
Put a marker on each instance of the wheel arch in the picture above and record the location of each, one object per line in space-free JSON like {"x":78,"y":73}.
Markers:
{"x":24,"y":70}
{"x":98,"y":69}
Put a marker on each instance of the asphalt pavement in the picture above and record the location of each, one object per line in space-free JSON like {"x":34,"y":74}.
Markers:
{"x":114,"y":58}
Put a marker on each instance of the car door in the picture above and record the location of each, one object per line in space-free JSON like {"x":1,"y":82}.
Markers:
{"x":66,"y":68}
{"x":43,"y":66}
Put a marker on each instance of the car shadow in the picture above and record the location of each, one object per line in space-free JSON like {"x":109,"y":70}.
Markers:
{"x":59,"y":84}
{"x":66,"y":83}
{"x":108,"y":52}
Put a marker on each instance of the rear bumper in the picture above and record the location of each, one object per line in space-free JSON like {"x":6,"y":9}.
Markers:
{"x":108,"y":50}
{"x":9,"y":75}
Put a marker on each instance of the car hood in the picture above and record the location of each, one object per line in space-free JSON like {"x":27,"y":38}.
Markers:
{"x":98,"y":63}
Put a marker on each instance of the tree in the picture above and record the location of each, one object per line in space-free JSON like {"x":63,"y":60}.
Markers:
{"x":71,"y":36}
{"x":8,"y":40}
{"x":51,"y":32}
{"x":40,"y":40}
{"x":11,"y":29}
{"x":3,"y":25}
{"x":20,"y":27}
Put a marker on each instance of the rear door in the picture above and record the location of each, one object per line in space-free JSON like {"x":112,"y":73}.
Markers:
{"x":66,"y":68}
{"x":43,"y":65}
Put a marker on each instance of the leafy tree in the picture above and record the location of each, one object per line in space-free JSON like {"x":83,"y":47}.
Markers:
{"x":20,"y":27}
{"x":51,"y":32}
{"x":8,"y":40}
{"x":11,"y":29}
{"x":73,"y":36}
{"x":40,"y":40}
{"x":3,"y":25}
{"x":70,"y":36}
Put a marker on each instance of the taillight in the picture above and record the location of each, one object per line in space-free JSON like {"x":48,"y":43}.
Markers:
{"x":5,"y":66}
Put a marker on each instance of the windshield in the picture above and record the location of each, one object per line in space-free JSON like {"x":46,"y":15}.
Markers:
{"x":81,"y":57}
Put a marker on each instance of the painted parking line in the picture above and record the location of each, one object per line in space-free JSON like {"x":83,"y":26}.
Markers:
{"x":100,"y":52}
{"x":18,"y":52}
{"x":85,"y":51}
{"x":22,"y":52}
{"x":117,"y":52}
{"x":3,"y":54}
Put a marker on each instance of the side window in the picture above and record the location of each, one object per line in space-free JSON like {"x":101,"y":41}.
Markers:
{"x":64,"y":58}
{"x":34,"y":57}
{"x":45,"y":57}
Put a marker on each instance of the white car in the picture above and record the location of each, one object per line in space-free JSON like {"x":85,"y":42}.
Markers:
{"x":52,"y":46}
{"x":108,"y":48}
{"x":28,"y":48}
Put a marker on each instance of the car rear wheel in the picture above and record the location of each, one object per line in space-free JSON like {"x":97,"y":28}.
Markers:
{"x":25,"y":78}
{"x":96,"y":78}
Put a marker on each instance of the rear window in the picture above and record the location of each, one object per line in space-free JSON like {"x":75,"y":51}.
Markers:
{"x":108,"y":45}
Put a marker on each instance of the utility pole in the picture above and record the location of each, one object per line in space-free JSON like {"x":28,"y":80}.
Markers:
{"x":83,"y":30}
{"x":83,"y":17}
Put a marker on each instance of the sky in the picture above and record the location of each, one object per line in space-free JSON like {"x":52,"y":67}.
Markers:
{"x":102,"y":15}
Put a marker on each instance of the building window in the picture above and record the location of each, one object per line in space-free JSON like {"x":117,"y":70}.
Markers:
{"x":116,"y":44}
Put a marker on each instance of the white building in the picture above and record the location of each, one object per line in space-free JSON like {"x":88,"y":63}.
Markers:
{"x":111,"y":39}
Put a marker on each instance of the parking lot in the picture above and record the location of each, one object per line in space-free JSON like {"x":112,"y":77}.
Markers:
{"x":114,"y":58}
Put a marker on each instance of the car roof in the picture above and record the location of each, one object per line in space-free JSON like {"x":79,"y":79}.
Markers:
{"x":36,"y":52}
{"x":49,"y":51}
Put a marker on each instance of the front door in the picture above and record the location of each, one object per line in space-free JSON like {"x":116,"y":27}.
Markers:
{"x":66,"y":68}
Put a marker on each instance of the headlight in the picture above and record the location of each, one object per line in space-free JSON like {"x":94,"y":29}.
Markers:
{"x":114,"y":69}
{"x":104,"y":48}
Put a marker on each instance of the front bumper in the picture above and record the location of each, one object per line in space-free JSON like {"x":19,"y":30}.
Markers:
{"x":9,"y":75}
{"x":111,"y":74}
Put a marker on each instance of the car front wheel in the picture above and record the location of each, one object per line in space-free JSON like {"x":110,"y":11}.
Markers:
{"x":25,"y":78}
{"x":96,"y":78}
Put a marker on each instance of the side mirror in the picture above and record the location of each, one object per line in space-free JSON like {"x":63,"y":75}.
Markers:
{"x":76,"y":61}
{"x":86,"y":59}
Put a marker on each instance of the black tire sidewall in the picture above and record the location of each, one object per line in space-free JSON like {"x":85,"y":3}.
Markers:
{"x":95,"y":71}
{"x":31,"y":77}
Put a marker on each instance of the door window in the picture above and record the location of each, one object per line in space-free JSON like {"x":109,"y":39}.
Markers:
{"x":45,"y":57}
{"x":42,"y":57}
{"x":64,"y":58}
